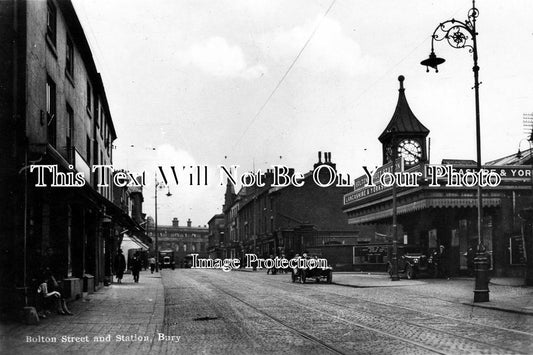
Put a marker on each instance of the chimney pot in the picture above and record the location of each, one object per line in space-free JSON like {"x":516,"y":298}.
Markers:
{"x":320,"y":157}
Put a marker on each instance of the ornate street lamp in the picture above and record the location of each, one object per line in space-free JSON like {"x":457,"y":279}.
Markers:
{"x":157,"y":185}
{"x":527,"y":217}
{"x":461,"y":34}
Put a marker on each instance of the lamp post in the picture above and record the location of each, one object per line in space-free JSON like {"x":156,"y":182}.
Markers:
{"x":459,"y":34}
{"x":526,"y":216}
{"x":395,"y":276}
{"x":157,"y":184}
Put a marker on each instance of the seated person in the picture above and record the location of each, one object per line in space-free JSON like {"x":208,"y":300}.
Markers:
{"x":51,"y":295}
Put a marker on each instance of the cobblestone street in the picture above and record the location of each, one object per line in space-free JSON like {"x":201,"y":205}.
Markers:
{"x":210,"y":311}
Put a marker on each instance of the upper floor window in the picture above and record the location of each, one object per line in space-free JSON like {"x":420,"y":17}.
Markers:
{"x":70,"y":133}
{"x":104,"y":133}
{"x":88,"y":148}
{"x":96,"y":110}
{"x":51,"y":20}
{"x":69,"y":63}
{"x":51,"y":111}
{"x":89,"y":97}
{"x":102,"y":123}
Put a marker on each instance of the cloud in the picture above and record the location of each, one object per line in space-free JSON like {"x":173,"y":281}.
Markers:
{"x":217,"y":57}
{"x":330,"y":49}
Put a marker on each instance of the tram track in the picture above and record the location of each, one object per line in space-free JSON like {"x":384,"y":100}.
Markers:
{"x":328,"y":348}
{"x":466,"y":339}
{"x":410,"y":329}
{"x":437,"y":314}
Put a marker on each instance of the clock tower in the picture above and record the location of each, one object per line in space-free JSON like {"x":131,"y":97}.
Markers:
{"x":405,"y":136}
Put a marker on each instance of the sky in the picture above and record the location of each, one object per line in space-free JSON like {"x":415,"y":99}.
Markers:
{"x":261,"y":82}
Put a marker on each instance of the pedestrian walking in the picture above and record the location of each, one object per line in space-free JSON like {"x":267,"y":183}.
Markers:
{"x":470,"y":255}
{"x":443,"y":262}
{"x":136,"y":266}
{"x":270,"y":270}
{"x":151,"y":261}
{"x":120,"y":265}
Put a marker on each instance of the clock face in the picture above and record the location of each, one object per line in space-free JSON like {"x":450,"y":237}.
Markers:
{"x":410,"y":150}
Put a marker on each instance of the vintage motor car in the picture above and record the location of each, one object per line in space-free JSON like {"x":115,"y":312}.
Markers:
{"x":303,"y":274}
{"x":411,"y":262}
{"x":166,"y":259}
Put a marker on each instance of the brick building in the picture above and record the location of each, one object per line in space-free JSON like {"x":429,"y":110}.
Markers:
{"x":183,"y":240}
{"x":289,"y":220}
{"x":216,"y":235}
{"x":429,"y":216}
{"x":54,"y":111}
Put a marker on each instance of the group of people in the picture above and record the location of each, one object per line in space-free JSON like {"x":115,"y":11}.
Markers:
{"x":440,"y":260}
{"x":50,"y":294}
{"x":120,"y":266}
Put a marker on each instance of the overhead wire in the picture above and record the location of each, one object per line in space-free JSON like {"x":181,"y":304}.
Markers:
{"x":284,"y":75}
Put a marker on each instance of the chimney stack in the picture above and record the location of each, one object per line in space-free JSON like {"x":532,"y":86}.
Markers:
{"x":175,"y":222}
{"x":189,"y":222}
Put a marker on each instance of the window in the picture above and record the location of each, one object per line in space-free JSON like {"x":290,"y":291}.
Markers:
{"x":69,"y":62}
{"x":70,"y":133}
{"x":89,"y":97}
{"x":51,"y":20}
{"x":96,"y":111}
{"x":102,"y":122}
{"x":185,"y":248}
{"x":51,"y":111}
{"x":88,"y":147}
{"x":95,"y":153}
{"x":102,"y":126}
{"x":107,"y":146}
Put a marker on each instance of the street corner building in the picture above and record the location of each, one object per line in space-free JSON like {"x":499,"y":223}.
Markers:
{"x":273,"y":220}
{"x":430,"y":216}
{"x":54,"y":110}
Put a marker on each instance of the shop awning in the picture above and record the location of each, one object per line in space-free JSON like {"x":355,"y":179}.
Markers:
{"x":132,"y":242}
{"x":424,"y":204}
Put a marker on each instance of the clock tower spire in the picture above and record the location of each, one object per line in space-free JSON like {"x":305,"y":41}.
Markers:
{"x":405,"y":136}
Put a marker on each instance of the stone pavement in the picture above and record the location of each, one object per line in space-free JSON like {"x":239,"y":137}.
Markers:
{"x":119,"y":319}
{"x":506,"y":294}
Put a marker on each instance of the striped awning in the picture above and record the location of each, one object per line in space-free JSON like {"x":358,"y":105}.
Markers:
{"x":424,"y":204}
